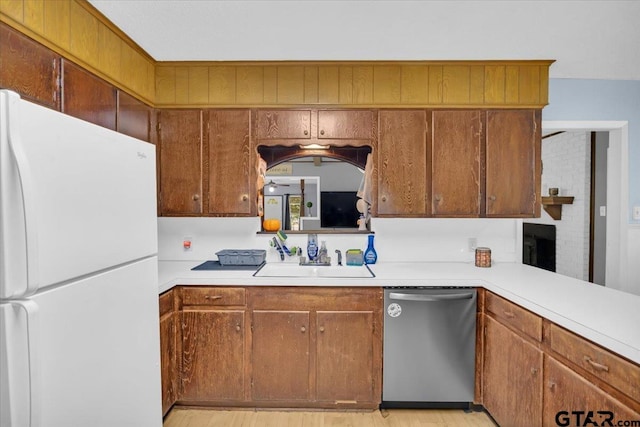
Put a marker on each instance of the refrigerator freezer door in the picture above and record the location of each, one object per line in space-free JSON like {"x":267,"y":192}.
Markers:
{"x":75,"y":198}
{"x":101,"y":341}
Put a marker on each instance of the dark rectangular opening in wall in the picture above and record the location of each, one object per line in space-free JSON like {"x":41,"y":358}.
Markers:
{"x":539,"y":245}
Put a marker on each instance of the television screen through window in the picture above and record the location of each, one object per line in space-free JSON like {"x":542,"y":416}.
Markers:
{"x":338,"y":209}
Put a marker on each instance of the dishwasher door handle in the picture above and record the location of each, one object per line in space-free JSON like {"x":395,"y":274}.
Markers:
{"x":430,"y":297}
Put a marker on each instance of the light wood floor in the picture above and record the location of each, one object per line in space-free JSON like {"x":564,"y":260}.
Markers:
{"x":387,"y":418}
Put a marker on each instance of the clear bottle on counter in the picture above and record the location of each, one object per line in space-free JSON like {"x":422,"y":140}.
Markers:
{"x":322,"y":254}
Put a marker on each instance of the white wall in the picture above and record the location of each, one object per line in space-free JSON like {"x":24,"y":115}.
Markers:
{"x":396,"y":240}
{"x":566,"y":160}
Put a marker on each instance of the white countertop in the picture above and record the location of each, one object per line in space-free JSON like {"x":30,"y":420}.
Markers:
{"x":605,"y":316}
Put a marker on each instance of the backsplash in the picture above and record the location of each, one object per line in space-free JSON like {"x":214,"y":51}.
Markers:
{"x":397,"y":239}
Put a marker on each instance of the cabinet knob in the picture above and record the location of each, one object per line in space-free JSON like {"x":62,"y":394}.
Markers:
{"x":306,"y":132}
{"x":438,"y":198}
{"x":238,"y":328}
{"x":492,"y":198}
{"x":552,"y":385}
{"x":245,"y":197}
{"x":321,"y":328}
{"x":384,"y":198}
{"x":303,"y":329}
{"x":534,"y":371}
{"x":322,"y":132}
{"x":196,"y":197}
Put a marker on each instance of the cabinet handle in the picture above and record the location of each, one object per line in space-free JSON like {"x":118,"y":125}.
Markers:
{"x":492,"y":198}
{"x":215,"y":297}
{"x":303,"y":329}
{"x":597,"y":366}
{"x":438,"y":198}
{"x":508,"y":314}
{"x":196,"y":197}
{"x":534,"y":371}
{"x":322,"y":132}
{"x":384,"y":198}
{"x":245,"y":197}
{"x":306,"y":132}
{"x":552,"y":385}
{"x":321,"y":328}
{"x":238,"y":328}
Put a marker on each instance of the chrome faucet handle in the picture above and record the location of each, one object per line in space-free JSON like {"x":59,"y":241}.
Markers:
{"x":339,"y":256}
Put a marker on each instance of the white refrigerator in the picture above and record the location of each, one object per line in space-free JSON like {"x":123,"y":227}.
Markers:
{"x":79,"y":332}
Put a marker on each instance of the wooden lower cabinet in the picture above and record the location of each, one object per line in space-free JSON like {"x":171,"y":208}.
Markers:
{"x":512,"y":377}
{"x":281,"y":347}
{"x":345,"y":359}
{"x":280,"y":355}
{"x":571,"y":400}
{"x":168,"y":365}
{"x":212,"y":355}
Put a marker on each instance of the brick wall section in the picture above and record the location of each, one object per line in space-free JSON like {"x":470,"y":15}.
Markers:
{"x":566,"y":160}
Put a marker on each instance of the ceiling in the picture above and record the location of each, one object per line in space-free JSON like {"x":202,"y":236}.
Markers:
{"x":588,"y":39}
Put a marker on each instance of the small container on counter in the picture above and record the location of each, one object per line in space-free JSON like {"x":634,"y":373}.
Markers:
{"x":483,"y":257}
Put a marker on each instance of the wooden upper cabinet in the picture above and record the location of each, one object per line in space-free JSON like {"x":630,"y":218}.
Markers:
{"x":87,"y":97}
{"x":180,"y":142}
{"x":456,"y":147}
{"x":230,"y":173}
{"x":513,"y":166}
{"x":346,"y":124}
{"x":28,"y":68}
{"x":512,"y":375}
{"x":283,"y":124}
{"x":280,"y":355}
{"x":133,"y":117}
{"x":402,"y":162}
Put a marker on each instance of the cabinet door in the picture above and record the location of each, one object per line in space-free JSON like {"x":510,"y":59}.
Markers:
{"x":168,"y":360}
{"x":28,"y":68}
{"x":230,"y":174}
{"x":345,"y":356}
{"x":402,"y":163}
{"x":345,"y":124}
{"x":456,"y":149}
{"x":133,"y":117}
{"x":567,"y":394}
{"x":213,"y":355}
{"x":513,"y":163}
{"x":180,"y":141}
{"x":87,"y":97}
{"x":280,"y":355}
{"x":283,"y":124}
{"x":512,"y":377}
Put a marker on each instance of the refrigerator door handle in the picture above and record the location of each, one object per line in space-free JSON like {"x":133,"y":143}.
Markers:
{"x":28,"y":197}
{"x":31,"y":310}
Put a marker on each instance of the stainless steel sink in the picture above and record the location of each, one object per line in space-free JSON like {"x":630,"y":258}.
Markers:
{"x":295,"y":270}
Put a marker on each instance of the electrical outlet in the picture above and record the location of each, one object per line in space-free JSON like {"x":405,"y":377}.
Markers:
{"x":636,"y":212}
{"x":187,"y":243}
{"x":473,"y":244}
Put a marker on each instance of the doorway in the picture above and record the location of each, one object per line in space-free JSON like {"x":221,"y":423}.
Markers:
{"x":617,"y":262}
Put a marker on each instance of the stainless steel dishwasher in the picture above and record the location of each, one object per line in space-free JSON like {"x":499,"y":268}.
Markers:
{"x":429,"y":347}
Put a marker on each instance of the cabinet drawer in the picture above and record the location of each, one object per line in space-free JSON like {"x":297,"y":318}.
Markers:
{"x":213,"y":296}
{"x":166,"y":303}
{"x":617,"y":372}
{"x":515,"y":316}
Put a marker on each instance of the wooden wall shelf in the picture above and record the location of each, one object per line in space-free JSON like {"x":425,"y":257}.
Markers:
{"x":553,"y":205}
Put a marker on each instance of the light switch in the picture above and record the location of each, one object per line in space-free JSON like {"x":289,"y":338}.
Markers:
{"x":636,"y":212}
{"x":603,"y":211}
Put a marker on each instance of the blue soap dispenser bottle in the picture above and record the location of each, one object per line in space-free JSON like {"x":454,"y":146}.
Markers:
{"x":370,"y":255}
